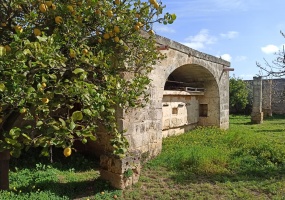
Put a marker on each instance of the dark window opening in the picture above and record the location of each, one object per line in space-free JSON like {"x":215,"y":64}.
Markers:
{"x":203,"y":110}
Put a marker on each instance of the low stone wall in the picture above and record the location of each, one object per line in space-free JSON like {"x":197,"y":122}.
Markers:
{"x":180,"y":112}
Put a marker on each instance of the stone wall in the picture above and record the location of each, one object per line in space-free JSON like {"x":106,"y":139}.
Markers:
{"x":273,"y":96}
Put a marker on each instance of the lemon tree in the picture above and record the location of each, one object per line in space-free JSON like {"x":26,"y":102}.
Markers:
{"x":62,"y":68}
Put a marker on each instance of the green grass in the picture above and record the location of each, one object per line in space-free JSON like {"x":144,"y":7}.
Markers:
{"x":245,"y":162}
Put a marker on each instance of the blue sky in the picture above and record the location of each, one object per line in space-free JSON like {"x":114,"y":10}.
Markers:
{"x":241,"y":31}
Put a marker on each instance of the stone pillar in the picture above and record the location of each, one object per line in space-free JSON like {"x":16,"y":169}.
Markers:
{"x":120,"y":172}
{"x":257,"y":114}
{"x":267,"y":98}
{"x":4,"y":170}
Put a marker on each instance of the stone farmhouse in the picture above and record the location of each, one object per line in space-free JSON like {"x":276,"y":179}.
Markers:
{"x":188,"y":89}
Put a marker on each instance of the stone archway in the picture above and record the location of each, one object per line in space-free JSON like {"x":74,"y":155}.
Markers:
{"x":190,"y":98}
{"x":144,"y":125}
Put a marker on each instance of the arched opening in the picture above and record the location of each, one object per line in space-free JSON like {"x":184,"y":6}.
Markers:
{"x":190,"y":99}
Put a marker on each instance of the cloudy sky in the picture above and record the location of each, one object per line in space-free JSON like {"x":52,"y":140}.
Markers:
{"x":241,"y":31}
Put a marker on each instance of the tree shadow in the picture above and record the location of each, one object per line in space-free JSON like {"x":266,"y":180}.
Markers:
{"x":187,"y":176}
{"x":32,"y":159}
{"x":73,"y":190}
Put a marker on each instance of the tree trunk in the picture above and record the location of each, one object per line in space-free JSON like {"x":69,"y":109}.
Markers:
{"x":4,"y":170}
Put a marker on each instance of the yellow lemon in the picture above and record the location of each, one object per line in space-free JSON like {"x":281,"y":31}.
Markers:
{"x":43,"y":7}
{"x":53,"y":6}
{"x":84,"y":51}
{"x":116,"y":29}
{"x":117,"y":2}
{"x":152,"y":1}
{"x":136,"y":27}
{"x":70,"y":8}
{"x":140,"y":24}
{"x":37,"y":32}
{"x":67,"y":152}
{"x":44,"y":85}
{"x":156,"y":5}
{"x":45,"y":100}
{"x":106,"y":36}
{"x":116,"y":39}
{"x":18,"y":28}
{"x":151,"y":32}
{"x":110,"y":13}
{"x":8,"y":48}
{"x":58,"y":20}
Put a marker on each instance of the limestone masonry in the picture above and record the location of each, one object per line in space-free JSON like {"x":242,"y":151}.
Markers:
{"x":188,"y":89}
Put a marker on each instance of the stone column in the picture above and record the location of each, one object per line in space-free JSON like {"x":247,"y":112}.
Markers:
{"x":257,"y":114}
{"x":267,"y":98}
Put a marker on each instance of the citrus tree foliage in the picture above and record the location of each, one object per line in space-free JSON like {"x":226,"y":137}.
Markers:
{"x":62,"y":65}
{"x":238,"y":94}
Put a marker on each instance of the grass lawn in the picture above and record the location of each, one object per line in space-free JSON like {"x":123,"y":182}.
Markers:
{"x":245,"y":162}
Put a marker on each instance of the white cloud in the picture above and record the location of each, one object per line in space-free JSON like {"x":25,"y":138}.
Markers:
{"x":230,"y":34}
{"x":269,"y":49}
{"x":226,"y":57}
{"x":200,"y":40}
{"x":164,"y":29}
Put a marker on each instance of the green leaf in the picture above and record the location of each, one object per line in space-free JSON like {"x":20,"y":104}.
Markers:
{"x":77,"y":116}
{"x":26,"y":136}
{"x":14,"y":133}
{"x":62,"y":122}
{"x":87,"y":112}
{"x":11,"y":141}
{"x":93,"y":138}
{"x":72,"y":125}
{"x":78,"y":70}
{"x":39,"y":123}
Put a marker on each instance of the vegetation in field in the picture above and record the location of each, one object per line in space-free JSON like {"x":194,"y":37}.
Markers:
{"x":245,"y":162}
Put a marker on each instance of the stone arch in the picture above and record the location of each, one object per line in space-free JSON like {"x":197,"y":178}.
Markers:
{"x":190,"y":98}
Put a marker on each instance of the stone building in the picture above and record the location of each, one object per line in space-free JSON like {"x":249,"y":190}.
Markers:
{"x":188,"y":89}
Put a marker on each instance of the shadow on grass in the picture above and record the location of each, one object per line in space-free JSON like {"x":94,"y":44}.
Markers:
{"x":189,"y":176}
{"x":186,"y":177}
{"x":32,"y":159}
{"x":281,"y":131}
{"x":74,"y":190}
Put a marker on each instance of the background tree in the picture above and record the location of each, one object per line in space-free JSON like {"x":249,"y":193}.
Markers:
{"x":62,"y":65}
{"x":239,"y":95}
